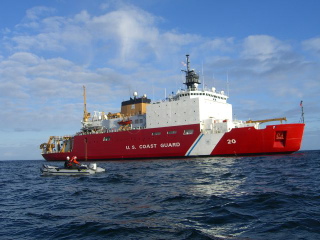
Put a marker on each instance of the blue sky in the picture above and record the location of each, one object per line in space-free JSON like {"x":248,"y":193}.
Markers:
{"x":270,"y":51}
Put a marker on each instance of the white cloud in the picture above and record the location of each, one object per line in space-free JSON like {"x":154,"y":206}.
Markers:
{"x":126,"y":35}
{"x":219,"y":44}
{"x":263,"y":47}
{"x":312,"y":45}
{"x":5,"y":31}
{"x":47,"y":42}
{"x":33,"y":15}
{"x":12,"y":90}
{"x":36,"y":12}
{"x":24,"y":58}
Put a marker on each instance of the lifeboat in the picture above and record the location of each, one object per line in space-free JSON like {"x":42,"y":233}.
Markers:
{"x":125,"y":122}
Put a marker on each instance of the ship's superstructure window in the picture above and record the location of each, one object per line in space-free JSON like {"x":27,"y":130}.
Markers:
{"x":156,"y":133}
{"x":188,"y":132}
{"x":172,"y":132}
{"x":106,"y":139}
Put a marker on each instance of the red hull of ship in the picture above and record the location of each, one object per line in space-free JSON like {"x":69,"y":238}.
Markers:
{"x":284,"y":138}
{"x":142,"y":144}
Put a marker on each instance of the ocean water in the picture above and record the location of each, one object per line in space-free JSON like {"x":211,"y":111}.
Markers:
{"x":267,"y":197}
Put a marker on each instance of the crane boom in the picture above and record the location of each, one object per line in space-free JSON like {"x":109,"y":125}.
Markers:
{"x":86,"y":115}
{"x":267,"y":120}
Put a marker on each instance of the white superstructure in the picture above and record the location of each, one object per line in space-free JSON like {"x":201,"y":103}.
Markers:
{"x":190,"y":107}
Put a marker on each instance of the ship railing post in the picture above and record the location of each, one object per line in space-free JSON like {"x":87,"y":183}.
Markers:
{"x":86,"y":149}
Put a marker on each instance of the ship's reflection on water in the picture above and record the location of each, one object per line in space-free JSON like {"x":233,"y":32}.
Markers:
{"x":180,"y":194}
{"x":218,"y":177}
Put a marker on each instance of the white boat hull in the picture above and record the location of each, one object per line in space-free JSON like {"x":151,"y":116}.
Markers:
{"x":48,"y":170}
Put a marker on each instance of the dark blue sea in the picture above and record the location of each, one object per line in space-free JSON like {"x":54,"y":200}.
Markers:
{"x":267,"y":197}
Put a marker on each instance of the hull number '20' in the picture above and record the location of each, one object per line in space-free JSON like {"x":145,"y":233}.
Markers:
{"x":231,"y":141}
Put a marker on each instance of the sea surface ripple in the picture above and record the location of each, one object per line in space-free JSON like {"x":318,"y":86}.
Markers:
{"x":267,"y":197}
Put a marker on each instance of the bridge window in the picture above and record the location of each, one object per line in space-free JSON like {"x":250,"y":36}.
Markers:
{"x":172,"y":132}
{"x":188,"y":132}
{"x":156,"y":133}
{"x":106,"y":139}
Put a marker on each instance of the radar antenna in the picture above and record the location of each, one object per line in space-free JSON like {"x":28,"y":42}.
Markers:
{"x":192,"y":78}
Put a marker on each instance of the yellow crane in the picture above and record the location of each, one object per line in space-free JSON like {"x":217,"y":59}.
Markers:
{"x":48,"y":146}
{"x":86,"y":115}
{"x":65,"y":141}
{"x":267,"y":120}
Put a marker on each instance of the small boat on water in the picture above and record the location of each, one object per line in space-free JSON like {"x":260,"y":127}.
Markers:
{"x":92,"y":168}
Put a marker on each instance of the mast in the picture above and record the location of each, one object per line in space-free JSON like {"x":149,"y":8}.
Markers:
{"x":302,"y":113}
{"x":192,"y":78}
{"x":86,"y":115}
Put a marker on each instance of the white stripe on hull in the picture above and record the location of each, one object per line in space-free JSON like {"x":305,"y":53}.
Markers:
{"x":204,"y":144}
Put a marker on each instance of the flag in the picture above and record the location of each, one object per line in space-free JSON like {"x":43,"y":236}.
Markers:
{"x":301,"y":104}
